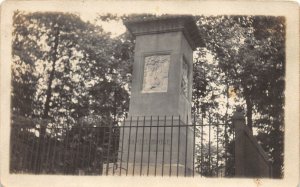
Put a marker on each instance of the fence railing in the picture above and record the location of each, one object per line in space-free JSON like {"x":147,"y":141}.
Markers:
{"x":159,"y":146}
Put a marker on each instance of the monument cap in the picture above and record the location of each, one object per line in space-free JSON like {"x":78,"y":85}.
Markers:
{"x":167,"y":23}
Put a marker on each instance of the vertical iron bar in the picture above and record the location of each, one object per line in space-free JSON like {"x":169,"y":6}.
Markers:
{"x":62,"y":146}
{"x":136,"y":133}
{"x":163,"y":156}
{"x":74,"y":156}
{"x":32,"y":153}
{"x":66,"y":151}
{"x":54,"y":147}
{"x":170,"y":169}
{"x":114,"y":145}
{"x":48,"y":151}
{"x":141,"y":166}
{"x":59,"y":150}
{"x":78,"y":149}
{"x":209,"y":142}
{"x":92,"y":130}
{"x":121,"y":160}
{"x":156,"y":146}
{"x":95,"y":150}
{"x":42,"y":150}
{"x":19,"y":146}
{"x":217,"y":148}
{"x":87,"y":147}
{"x":103,"y":148}
{"x":201,"y":164}
{"x":225,"y":147}
{"x":194,"y":144}
{"x":29,"y":142}
{"x":22,"y":148}
{"x":108,"y":147}
{"x":234,"y":151}
{"x":186,"y":144}
{"x":36,"y":154}
{"x":29,"y":152}
{"x":117,"y":129}
{"x":24,"y":161}
{"x":13,"y":140}
{"x":84,"y":135}
{"x":178,"y":150}
{"x":149,"y":145}
{"x":27,"y":149}
{"x":18,"y":142}
{"x":80,"y":145}
{"x":128,"y":145}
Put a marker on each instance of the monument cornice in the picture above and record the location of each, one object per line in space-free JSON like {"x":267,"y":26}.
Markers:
{"x":185,"y":24}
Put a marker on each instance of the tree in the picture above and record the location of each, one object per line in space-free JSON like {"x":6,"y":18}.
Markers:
{"x":250,"y":53}
{"x":59,"y":61}
{"x":65,"y":69}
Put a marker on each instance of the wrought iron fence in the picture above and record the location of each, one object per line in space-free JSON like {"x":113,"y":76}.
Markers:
{"x":159,"y":146}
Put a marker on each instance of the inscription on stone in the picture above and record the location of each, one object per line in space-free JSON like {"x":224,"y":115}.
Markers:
{"x":152,"y":141}
{"x":156,"y":69}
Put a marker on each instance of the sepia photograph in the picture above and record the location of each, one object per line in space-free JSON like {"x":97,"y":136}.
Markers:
{"x":161,"y":94}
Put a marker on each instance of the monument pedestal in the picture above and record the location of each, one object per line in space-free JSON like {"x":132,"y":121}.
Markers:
{"x":156,"y":143}
{"x":161,"y":86}
{"x":159,"y":170}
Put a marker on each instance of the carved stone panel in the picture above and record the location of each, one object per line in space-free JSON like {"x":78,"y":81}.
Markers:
{"x":185,"y":79}
{"x":156,"y":70}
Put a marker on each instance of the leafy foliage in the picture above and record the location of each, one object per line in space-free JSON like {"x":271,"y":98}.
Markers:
{"x":65,"y":69}
{"x":250,"y":55}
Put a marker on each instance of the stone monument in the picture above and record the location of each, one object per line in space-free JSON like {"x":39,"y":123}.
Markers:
{"x":250,"y":158}
{"x":161,"y":93}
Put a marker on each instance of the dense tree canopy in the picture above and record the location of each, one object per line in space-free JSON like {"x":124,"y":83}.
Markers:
{"x":65,"y":69}
{"x":250,"y":55}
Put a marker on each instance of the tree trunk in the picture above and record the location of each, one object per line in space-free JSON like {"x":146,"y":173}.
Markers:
{"x":249,"y":113}
{"x":48,"y":99}
{"x":277,"y":113}
{"x":278,"y":159}
{"x":249,"y":107}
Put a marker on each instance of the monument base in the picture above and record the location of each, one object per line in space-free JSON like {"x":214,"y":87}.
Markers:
{"x":151,"y":170}
{"x":155,"y":145}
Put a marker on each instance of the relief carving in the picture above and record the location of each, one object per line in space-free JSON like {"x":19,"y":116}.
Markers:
{"x":184,"y":79}
{"x":156,"y":69}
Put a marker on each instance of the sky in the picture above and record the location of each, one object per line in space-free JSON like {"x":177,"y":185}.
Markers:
{"x":116,"y":28}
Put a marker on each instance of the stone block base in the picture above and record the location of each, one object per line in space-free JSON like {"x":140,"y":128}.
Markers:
{"x":145,"y":170}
